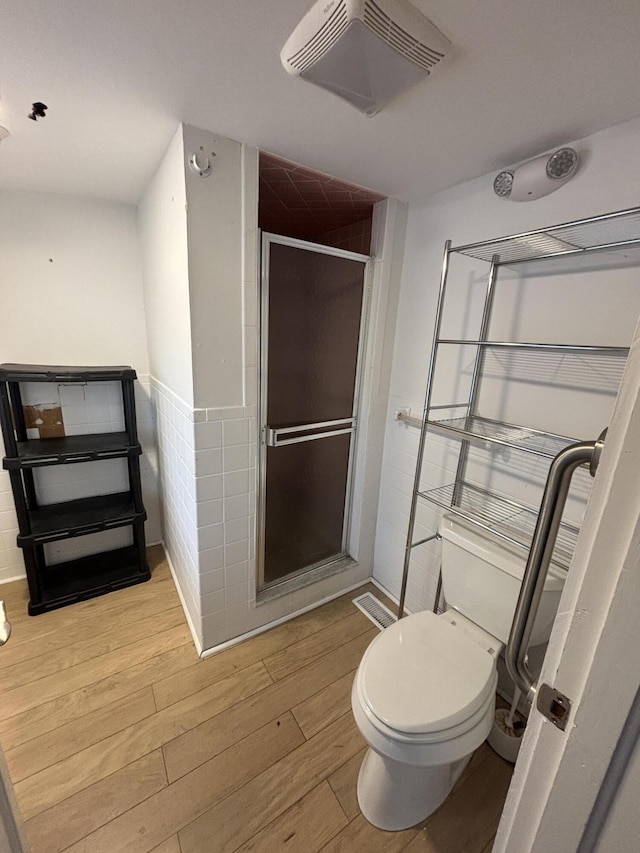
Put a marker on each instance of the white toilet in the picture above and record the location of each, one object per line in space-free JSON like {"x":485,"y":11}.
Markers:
{"x":424,"y":693}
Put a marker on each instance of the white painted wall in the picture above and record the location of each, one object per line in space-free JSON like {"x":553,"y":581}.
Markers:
{"x":70,"y":274}
{"x":387,"y":248}
{"x":162,"y":223}
{"x":605,"y":311}
{"x":70,"y":278}
{"x":215,"y":246}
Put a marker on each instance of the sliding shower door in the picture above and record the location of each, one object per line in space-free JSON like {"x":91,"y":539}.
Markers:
{"x":313,"y":304}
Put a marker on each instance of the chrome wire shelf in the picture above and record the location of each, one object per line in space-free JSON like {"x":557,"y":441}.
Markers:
{"x":609,"y":240}
{"x":589,"y":349}
{"x":478,"y":429}
{"x":511,"y":521}
{"x":599,"y":233}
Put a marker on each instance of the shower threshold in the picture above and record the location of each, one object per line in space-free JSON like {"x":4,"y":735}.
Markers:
{"x":306,"y":577}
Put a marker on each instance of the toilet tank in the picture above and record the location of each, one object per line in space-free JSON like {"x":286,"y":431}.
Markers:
{"x":482,"y":575}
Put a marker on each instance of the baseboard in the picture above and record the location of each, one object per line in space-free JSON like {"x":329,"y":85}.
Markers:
{"x":386,"y":592}
{"x":262,"y":628}
{"x":21,"y":577}
{"x":194,"y":636}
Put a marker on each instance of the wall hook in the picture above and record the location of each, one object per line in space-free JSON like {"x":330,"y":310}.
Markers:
{"x":205,"y":170}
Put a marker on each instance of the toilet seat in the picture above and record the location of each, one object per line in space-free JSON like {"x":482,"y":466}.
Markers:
{"x":441,"y":736}
{"x":425,"y":680}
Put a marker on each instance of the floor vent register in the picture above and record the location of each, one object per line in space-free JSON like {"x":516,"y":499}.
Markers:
{"x":375,"y":610}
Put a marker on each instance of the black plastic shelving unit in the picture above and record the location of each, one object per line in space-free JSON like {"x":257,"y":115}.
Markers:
{"x":59,"y":584}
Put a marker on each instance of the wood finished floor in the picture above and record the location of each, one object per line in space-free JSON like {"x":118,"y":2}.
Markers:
{"x":119,"y":740}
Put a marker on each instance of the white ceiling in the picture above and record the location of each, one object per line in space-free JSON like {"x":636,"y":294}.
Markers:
{"x":118,"y":76}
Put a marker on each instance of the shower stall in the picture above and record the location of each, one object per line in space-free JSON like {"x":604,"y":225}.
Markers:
{"x":312,"y":329}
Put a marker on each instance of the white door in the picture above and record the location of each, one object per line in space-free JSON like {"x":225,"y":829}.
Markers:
{"x":579,"y":790}
{"x":10,"y":821}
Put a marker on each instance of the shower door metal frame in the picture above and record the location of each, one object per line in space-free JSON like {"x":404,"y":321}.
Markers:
{"x":270,"y":437}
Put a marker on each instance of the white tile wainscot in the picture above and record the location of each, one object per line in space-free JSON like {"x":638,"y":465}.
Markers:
{"x":226,"y":532}
{"x":177,"y":463}
{"x":398,"y":471}
{"x":226,"y":441}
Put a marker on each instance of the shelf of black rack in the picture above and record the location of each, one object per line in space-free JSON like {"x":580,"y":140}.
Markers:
{"x":60,"y":373}
{"x":88,"y":577}
{"x":80,"y":517}
{"x":37,"y":453}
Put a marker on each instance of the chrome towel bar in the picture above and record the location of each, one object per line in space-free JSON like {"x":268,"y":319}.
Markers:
{"x":291,"y":435}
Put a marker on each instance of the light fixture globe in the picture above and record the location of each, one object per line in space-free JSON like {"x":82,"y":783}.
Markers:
{"x":562,"y":163}
{"x":503,"y":183}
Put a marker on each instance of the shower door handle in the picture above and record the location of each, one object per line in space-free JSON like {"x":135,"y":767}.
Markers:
{"x":277,"y":437}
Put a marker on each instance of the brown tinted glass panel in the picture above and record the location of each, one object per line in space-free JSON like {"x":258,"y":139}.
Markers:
{"x":306,"y":491}
{"x":315,"y":302}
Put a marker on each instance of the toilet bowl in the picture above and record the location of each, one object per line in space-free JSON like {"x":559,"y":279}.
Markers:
{"x":424,"y":693}
{"x":423,"y":699}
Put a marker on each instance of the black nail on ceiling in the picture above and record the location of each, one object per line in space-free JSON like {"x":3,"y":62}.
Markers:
{"x":38,"y":110}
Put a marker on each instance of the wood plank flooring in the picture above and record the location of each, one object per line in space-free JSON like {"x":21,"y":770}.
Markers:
{"x":120,"y":740}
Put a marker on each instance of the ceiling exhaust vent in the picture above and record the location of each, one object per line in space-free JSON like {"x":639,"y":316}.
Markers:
{"x":365,"y":51}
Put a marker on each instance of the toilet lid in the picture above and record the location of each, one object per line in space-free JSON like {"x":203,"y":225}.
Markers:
{"x":423,"y":674}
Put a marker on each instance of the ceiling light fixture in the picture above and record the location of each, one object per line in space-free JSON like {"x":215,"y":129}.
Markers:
{"x":537,"y":177}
